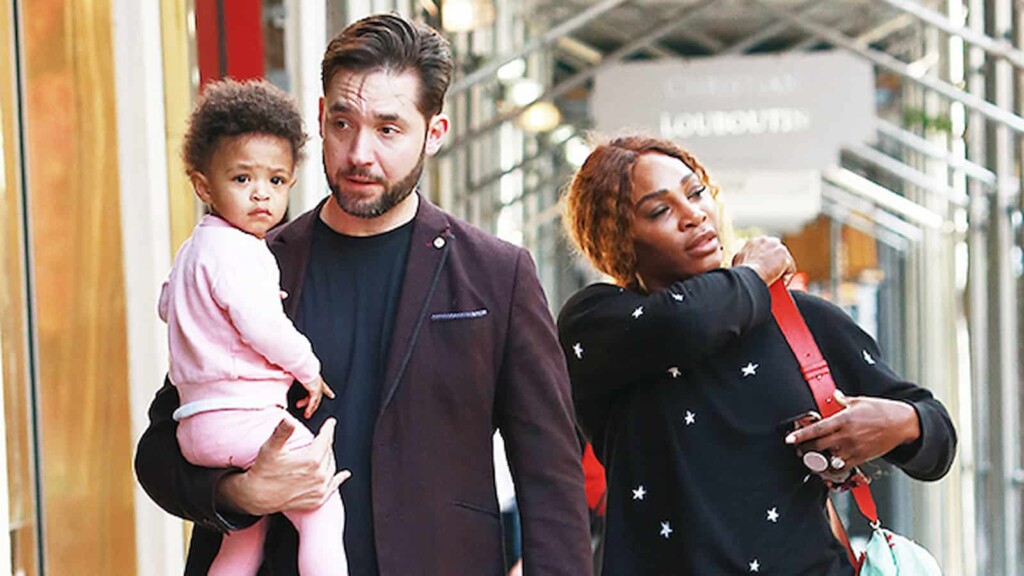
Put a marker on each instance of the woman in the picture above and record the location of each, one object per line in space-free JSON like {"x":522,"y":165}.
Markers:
{"x":682,"y":379}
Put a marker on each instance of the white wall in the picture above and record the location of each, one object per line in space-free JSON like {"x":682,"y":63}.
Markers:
{"x":145,"y":226}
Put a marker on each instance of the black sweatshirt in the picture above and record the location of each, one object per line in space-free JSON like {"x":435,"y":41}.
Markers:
{"x":682,"y":393}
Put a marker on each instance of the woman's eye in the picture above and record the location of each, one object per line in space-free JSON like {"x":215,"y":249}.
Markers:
{"x":658,"y":212}
{"x":696,"y":194}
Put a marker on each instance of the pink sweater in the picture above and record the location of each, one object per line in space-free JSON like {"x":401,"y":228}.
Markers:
{"x":231,"y":344}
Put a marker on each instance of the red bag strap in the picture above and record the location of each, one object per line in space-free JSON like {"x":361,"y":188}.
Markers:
{"x":816,"y":373}
{"x":836,"y":524}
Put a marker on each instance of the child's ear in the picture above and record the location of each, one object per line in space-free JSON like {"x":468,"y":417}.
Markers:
{"x":201,"y":187}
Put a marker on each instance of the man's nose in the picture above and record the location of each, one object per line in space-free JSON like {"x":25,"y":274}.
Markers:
{"x":360,"y":153}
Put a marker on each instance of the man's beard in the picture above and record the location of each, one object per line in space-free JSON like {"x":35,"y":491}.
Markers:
{"x":393,"y":193}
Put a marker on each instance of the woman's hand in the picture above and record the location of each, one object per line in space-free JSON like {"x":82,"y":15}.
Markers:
{"x":768,"y":256}
{"x":866,"y":429}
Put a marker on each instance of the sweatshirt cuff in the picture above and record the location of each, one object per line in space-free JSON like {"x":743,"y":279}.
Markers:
{"x":309,"y":371}
{"x":919,"y":458}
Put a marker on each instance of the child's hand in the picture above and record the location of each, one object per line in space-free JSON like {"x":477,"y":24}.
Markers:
{"x":317,"y":390}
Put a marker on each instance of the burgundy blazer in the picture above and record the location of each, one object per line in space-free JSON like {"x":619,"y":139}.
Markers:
{"x":473,"y":349}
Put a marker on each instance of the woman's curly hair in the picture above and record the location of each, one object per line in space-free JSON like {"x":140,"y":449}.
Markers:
{"x":598,"y":214}
{"x":228,"y":108}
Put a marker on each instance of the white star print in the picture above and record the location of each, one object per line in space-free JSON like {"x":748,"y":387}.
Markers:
{"x":755,"y":566}
{"x":638,"y":312}
{"x":665,"y":530}
{"x":676,"y":297}
{"x":867,"y":358}
{"x":690,"y":418}
{"x":773,"y":515}
{"x":750,"y":369}
{"x":674,"y":372}
{"x":577,"y":349}
{"x":639,"y":492}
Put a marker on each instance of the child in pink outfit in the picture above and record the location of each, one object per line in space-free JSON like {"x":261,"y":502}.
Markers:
{"x":234,"y":353}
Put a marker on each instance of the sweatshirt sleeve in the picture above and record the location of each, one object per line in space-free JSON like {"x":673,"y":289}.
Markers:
{"x":859,"y":370}
{"x":613,"y":337}
{"x":251,"y":295}
{"x":163,"y":305}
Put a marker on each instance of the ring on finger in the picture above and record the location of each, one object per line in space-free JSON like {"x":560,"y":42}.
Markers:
{"x":838,"y":463}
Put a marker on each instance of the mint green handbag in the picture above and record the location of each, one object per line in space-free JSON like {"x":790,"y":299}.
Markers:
{"x":889,"y":554}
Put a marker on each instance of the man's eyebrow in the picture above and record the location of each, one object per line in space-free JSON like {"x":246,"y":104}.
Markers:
{"x":343,"y":108}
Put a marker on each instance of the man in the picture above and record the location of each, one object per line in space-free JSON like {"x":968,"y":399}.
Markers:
{"x":410,"y":311}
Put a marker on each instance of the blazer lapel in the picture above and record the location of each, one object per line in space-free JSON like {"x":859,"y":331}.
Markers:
{"x":430,"y":245}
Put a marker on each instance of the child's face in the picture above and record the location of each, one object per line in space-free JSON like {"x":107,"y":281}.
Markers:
{"x":247,"y":181}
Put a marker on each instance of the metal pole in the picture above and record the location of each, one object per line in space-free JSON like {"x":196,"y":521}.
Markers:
{"x":767,"y":32}
{"x":565,"y":28}
{"x":1000,"y":48}
{"x":673,"y":20}
{"x":884,"y":60}
{"x":906,"y":173}
{"x":1004,"y":158}
{"x":922,"y":146}
{"x":988,"y":539}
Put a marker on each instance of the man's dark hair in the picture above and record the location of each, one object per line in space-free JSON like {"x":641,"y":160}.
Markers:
{"x":395,"y":45}
{"x":229,"y":108}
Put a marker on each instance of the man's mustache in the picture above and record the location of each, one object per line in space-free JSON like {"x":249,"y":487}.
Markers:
{"x":362,"y":173}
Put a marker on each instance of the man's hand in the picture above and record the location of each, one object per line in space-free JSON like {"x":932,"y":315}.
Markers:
{"x":317,"y":390}
{"x":282,"y":479}
{"x":866,"y":429}
{"x":768,"y":256}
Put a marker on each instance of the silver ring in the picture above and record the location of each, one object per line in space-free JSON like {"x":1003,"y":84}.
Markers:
{"x":838,"y":463}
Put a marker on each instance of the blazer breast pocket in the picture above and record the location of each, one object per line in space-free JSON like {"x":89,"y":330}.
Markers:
{"x":458,"y":315}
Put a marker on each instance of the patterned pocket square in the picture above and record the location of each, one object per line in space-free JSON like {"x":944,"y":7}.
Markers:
{"x":441,"y":316}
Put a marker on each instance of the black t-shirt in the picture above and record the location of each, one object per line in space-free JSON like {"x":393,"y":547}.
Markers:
{"x":347,"y":311}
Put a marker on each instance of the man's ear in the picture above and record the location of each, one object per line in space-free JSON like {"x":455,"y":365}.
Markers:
{"x":201,"y":187}
{"x":437,"y":129}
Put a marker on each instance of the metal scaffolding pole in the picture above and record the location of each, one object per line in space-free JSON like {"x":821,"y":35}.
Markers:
{"x":988,"y":514}
{"x":556,"y":32}
{"x":884,"y":60}
{"x":1000,"y":48}
{"x":906,"y":173}
{"x":674,"y":20}
{"x":972,"y":170}
{"x":1006,"y":322}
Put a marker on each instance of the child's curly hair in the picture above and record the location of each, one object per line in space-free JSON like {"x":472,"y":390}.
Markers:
{"x":598,"y":206}
{"x":229,"y":108}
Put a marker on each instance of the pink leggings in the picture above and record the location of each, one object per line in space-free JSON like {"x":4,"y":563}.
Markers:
{"x":226,"y":438}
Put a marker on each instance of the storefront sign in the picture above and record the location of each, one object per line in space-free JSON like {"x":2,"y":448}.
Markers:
{"x":788,"y":111}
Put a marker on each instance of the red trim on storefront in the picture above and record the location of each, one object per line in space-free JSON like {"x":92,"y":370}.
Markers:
{"x":243,"y":27}
{"x":229,"y":39}
{"x":207,"y":41}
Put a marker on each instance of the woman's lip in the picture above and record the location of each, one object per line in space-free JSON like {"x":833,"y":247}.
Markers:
{"x":704,"y":245}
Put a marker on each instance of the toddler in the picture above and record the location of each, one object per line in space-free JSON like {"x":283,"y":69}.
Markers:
{"x":233,"y":352}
